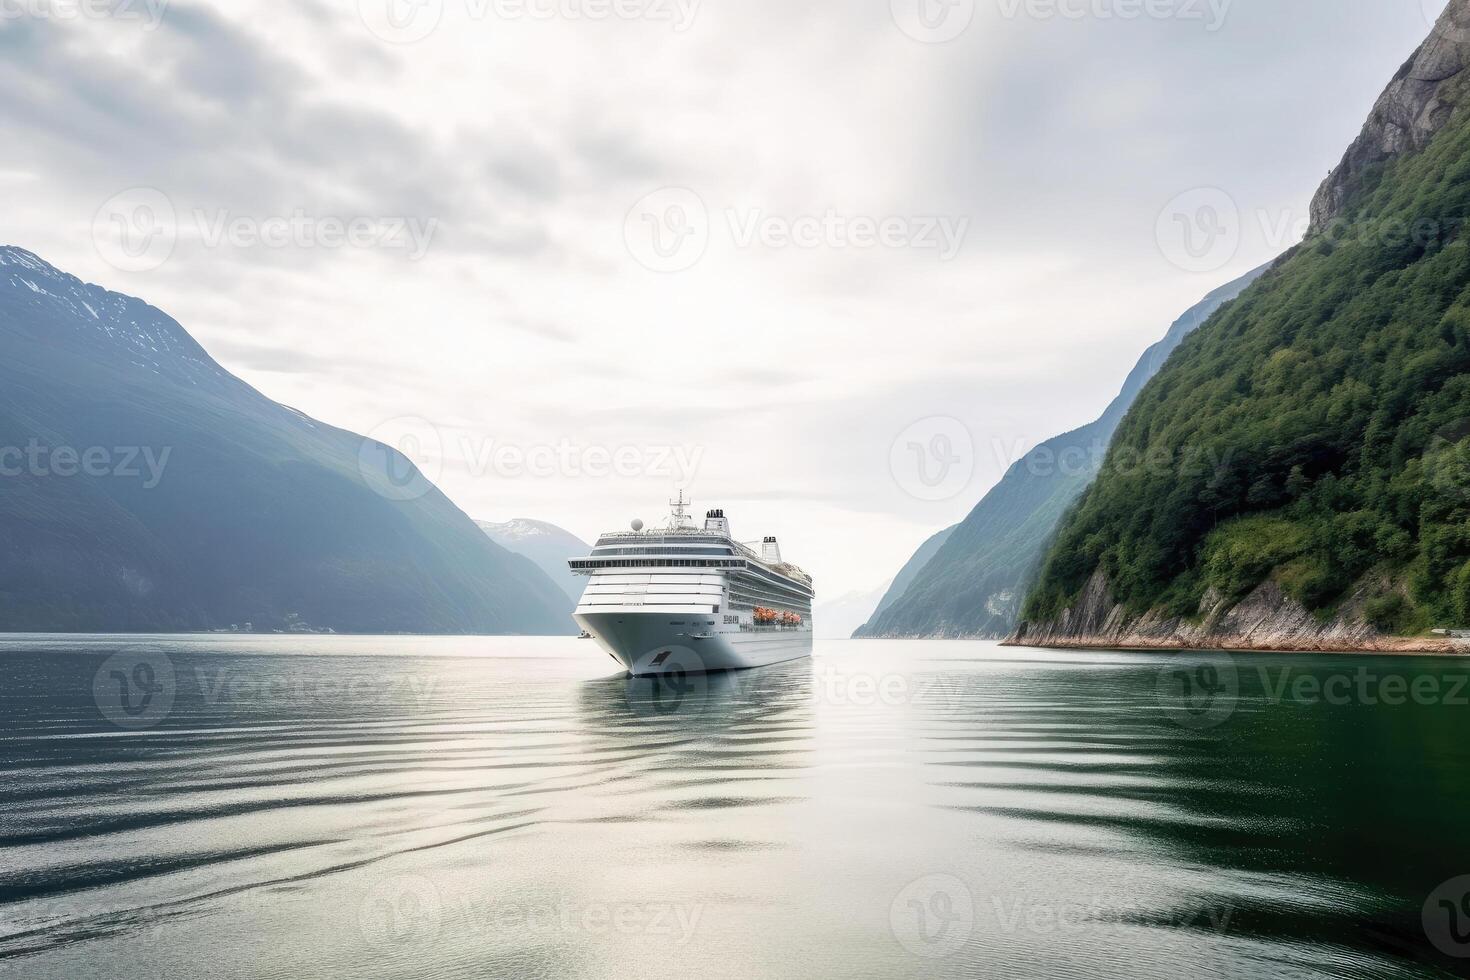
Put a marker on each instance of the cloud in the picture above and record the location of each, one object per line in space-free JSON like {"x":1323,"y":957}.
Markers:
{"x":528,"y":142}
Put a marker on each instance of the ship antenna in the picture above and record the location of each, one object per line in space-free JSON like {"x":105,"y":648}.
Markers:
{"x":680,"y":516}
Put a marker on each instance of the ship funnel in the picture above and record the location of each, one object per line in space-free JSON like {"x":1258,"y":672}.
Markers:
{"x":771,"y":551}
{"x":715,"y":521}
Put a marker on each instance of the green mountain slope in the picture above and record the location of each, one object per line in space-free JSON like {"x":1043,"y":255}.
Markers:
{"x":205,"y":504}
{"x":1315,"y":435}
{"x":969,"y":580}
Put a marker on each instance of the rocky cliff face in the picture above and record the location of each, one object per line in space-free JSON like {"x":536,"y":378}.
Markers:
{"x":1267,"y":619}
{"x":1414,"y":107}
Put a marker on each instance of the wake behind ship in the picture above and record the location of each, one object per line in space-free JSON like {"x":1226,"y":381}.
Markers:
{"x":691,"y":599}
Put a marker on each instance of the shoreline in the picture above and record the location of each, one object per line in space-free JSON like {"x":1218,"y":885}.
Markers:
{"x":1398,"y":646}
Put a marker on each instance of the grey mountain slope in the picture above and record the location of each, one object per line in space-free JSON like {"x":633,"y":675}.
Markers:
{"x":976,"y":579}
{"x":545,"y":544}
{"x":259,"y":513}
{"x":908,"y":573}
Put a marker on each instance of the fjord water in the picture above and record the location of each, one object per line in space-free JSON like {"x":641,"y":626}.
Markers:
{"x":290,"y":807}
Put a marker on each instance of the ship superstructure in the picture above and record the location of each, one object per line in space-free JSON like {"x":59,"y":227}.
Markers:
{"x":691,"y":598}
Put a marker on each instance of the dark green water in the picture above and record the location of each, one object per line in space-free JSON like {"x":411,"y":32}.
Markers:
{"x":331,"y":807}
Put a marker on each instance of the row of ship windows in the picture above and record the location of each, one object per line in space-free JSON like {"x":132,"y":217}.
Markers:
{"x":663,"y":551}
{"x":591,"y":563}
{"x":614,"y":542}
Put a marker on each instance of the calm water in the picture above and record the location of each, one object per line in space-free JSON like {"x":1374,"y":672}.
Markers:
{"x":330,"y":807}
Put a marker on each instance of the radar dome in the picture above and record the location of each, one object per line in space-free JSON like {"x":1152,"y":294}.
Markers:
{"x":637,"y":524}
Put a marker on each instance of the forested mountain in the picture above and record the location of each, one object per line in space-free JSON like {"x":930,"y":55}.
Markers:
{"x":1317,"y":431}
{"x":969,"y":580}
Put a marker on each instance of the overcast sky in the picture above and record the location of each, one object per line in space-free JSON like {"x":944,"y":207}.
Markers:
{"x":846,"y":259}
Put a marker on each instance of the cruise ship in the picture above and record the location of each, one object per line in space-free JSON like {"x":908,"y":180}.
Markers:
{"x":691,"y":599}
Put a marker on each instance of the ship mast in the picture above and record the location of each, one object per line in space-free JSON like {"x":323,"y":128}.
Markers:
{"x":680,"y":515}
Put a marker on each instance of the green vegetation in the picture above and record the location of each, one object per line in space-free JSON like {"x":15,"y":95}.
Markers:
{"x":1333,"y":398}
{"x":965,"y":581}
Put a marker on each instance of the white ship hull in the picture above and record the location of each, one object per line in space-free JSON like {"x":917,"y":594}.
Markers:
{"x":645,"y":644}
{"x":692,"y":600}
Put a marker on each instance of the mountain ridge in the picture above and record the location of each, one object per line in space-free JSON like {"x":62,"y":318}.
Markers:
{"x":259,"y":514}
{"x":1339,"y":387}
{"x":971,"y":583}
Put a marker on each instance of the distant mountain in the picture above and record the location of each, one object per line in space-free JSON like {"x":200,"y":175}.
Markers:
{"x":905,"y":577}
{"x":836,"y":620}
{"x":545,"y":544}
{"x":143,"y":487}
{"x":1338,"y":388}
{"x":976,"y":578}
